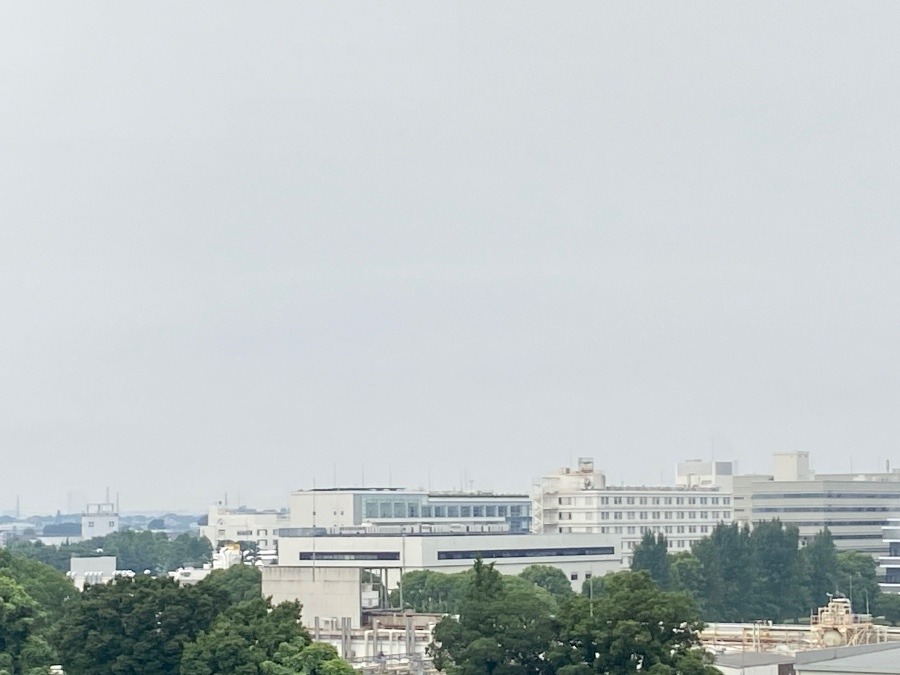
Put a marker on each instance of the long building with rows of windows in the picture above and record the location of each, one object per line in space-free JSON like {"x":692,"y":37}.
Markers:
{"x":579,"y":501}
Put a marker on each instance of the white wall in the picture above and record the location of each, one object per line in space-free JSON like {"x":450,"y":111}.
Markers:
{"x":324,"y":592}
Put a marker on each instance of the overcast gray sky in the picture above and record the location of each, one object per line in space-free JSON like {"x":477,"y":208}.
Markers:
{"x":243,"y":245}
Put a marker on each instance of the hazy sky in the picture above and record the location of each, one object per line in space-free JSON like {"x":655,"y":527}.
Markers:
{"x":246,"y":245}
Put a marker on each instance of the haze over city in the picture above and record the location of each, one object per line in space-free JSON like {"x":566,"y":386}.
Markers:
{"x":244,"y":250}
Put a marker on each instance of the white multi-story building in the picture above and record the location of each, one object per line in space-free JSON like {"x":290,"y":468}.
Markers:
{"x":339,"y":508}
{"x":99,"y":520}
{"x":226,"y":524}
{"x":702,"y":473}
{"x":890,"y":563}
{"x":381,"y":510}
{"x":854,"y":507}
{"x":327,"y":572}
{"x":579,"y":501}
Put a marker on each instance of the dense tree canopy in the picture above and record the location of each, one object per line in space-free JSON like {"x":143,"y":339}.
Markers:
{"x":628,"y":626}
{"x":739,"y":574}
{"x":135,"y":551}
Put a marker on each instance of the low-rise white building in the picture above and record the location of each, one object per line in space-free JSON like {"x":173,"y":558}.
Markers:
{"x":579,"y":501}
{"x":226,"y":524}
{"x":99,"y":520}
{"x":326,"y":572}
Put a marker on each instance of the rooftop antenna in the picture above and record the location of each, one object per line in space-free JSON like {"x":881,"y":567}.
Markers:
{"x":107,"y":494}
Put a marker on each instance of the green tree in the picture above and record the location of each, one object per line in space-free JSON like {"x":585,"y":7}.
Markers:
{"x":238,"y":583}
{"x":497,"y":630}
{"x":821,"y":567}
{"x":630,"y":627}
{"x":243,"y":638}
{"x":888,"y":606}
{"x":551,"y":579}
{"x":314,"y":659}
{"x":775,"y":570}
{"x":21,"y":649}
{"x":134,"y":626}
{"x":858,"y":579}
{"x":652,"y":555}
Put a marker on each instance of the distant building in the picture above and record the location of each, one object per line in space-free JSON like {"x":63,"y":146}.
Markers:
{"x":331,"y":574}
{"x":226,"y":524}
{"x":701,"y":473}
{"x":579,"y":501}
{"x":890,"y":563}
{"x":93,"y":570}
{"x":99,"y":520}
{"x":337,"y":508}
{"x":854,"y":507}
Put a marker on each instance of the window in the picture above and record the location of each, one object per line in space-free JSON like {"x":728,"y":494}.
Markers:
{"x":573,"y":576}
{"x":668,"y":515}
{"x":668,"y":500}
{"x":629,"y":500}
{"x":604,"y":515}
{"x":704,"y":515}
{"x":350,"y":555}
{"x":111,"y":523}
{"x":679,"y":500}
{"x":588,"y":575}
{"x":681,"y":543}
{"x":262,"y":533}
{"x":656,"y":515}
{"x":515,"y":511}
{"x":617,"y":515}
{"x":440,"y":511}
{"x":642,"y":501}
{"x":643,"y":515}
{"x":565,"y":516}
{"x":501,"y":511}
{"x":491,"y":511}
{"x":656,"y":501}
{"x":714,"y":514}
{"x":522,"y":553}
{"x":703,"y":500}
{"x":681,"y":515}
{"x":692,"y":529}
{"x":630,"y":515}
{"x":704,"y":529}
{"x":90,"y":523}
{"x":565,"y":501}
{"x":680,"y":529}
{"x":453,"y":511}
{"x":631,"y":530}
{"x":726,"y":500}
{"x":726,"y":515}
{"x":465,"y":511}
{"x":478,"y":511}
{"x":692,"y":500}
{"x":617,"y":500}
{"x":667,"y":529}
{"x":426,"y":512}
{"x":714,"y":501}
{"x":604,"y":501}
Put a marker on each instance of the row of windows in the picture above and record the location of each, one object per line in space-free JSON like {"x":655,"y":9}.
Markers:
{"x":665,"y":529}
{"x":652,"y":515}
{"x":352,"y":555}
{"x":826,"y":495}
{"x":823,"y":509}
{"x":383,"y":509}
{"x":672,"y":543}
{"x":835,"y":523}
{"x":645,"y":501}
{"x":525,"y":553}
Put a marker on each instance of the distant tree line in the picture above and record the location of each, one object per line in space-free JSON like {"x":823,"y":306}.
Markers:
{"x":742,"y":574}
{"x":137,"y":551}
